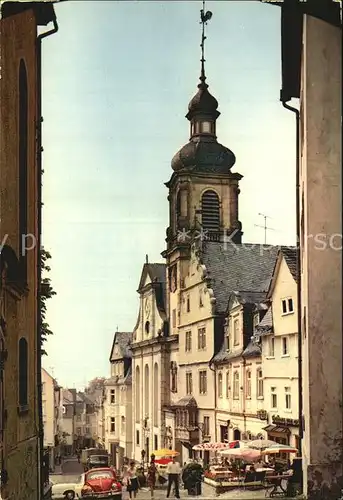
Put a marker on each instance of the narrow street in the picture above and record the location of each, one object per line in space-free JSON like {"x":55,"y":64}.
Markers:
{"x":70,"y":471}
{"x":71,"y":467}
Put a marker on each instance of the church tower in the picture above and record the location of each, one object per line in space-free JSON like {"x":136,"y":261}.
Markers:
{"x":203,"y":192}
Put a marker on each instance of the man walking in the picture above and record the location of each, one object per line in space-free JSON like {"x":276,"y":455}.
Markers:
{"x":173,"y":471}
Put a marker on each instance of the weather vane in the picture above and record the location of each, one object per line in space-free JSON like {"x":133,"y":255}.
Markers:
{"x":204,"y":16}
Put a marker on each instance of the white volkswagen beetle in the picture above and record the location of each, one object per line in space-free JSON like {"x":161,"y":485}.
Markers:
{"x":68,"y":491}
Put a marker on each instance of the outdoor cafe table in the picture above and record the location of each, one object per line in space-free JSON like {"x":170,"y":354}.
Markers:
{"x":220,"y":473}
{"x":275,"y":487}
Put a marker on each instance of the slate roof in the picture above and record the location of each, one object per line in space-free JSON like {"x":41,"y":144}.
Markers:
{"x":252,"y":350}
{"x":266,"y":325}
{"x":290,"y":255}
{"x":223,"y":356}
{"x":123,"y":340}
{"x":156,"y":271}
{"x":186,"y":401}
{"x":237,"y":267}
{"x":157,"y":274}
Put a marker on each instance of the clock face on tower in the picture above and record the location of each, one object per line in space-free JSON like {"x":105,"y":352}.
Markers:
{"x":147,"y":308}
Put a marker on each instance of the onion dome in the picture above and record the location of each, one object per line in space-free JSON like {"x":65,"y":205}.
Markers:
{"x":204,"y":156}
{"x":203,"y":103}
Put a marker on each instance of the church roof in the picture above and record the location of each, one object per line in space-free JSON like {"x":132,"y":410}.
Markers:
{"x":156,"y":272}
{"x":123,"y":340}
{"x":237,"y":267}
{"x":204,"y":156}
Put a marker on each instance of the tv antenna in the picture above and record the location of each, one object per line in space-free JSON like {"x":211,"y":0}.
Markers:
{"x":265,"y":226}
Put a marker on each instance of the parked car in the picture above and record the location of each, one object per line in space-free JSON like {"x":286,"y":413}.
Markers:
{"x":68,"y":491}
{"x":96,"y":484}
{"x":101,"y":484}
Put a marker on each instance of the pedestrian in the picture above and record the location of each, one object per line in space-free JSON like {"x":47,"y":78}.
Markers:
{"x":173,"y":471}
{"x":152,"y":471}
{"x":133,"y":485}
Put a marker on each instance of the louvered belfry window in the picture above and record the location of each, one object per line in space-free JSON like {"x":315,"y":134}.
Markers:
{"x":210,"y":211}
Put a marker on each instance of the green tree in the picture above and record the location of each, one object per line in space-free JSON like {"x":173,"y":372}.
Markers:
{"x":47,"y":292}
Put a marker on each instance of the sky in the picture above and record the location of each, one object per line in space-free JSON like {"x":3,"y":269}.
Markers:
{"x":117,"y":79}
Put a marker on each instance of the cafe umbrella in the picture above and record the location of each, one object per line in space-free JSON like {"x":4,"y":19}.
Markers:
{"x":247,"y":454}
{"x":164,"y":452}
{"x":279,"y":448}
{"x":260,"y":444}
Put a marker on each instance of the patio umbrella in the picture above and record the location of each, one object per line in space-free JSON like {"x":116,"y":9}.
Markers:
{"x":249,"y":455}
{"x":260,"y":444}
{"x":279,"y":448}
{"x":164,"y":452}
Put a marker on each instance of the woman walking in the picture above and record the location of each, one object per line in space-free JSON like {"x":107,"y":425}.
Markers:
{"x":132,"y":486}
{"x":152,"y":471}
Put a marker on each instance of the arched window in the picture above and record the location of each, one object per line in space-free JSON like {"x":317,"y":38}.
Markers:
{"x":210,"y":211}
{"x":156,"y":394}
{"x":147,"y":327}
{"x":138,"y":394}
{"x":248,"y":385}
{"x":236,"y":385}
{"x":146,"y":391}
{"x":23,"y":372}
{"x":259,"y":383}
{"x":220,"y":385}
{"x":23,"y":150}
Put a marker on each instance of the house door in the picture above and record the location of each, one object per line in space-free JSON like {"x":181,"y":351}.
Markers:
{"x":236,"y":435}
{"x":223,"y":433}
{"x":114,"y":455}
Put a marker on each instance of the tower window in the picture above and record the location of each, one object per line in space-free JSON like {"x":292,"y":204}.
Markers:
{"x":147,"y":327}
{"x":210,"y":211}
{"x":206,"y":127}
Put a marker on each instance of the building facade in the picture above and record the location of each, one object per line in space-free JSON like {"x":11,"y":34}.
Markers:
{"x":50,"y":415}
{"x":311,"y":62}
{"x":118,"y":401}
{"x":22,"y":473}
{"x":279,"y":343}
{"x":239,"y":371}
{"x":154,"y":368}
{"x":206,"y":262}
{"x":67,"y":425}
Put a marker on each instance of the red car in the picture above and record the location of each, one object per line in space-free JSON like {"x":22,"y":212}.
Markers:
{"x":101,"y":484}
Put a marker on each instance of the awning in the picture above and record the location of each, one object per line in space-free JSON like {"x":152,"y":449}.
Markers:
{"x":276,"y":429}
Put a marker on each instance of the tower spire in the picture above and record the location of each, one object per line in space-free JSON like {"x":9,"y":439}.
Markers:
{"x":204,"y":17}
